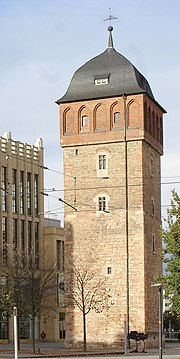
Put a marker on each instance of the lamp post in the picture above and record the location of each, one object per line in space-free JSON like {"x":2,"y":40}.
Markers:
{"x":160,"y":292}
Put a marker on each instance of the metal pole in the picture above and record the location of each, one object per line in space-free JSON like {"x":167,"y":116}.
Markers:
{"x":160,"y":322}
{"x":126,"y":206}
{"x":15,"y":333}
{"x":125,"y":335}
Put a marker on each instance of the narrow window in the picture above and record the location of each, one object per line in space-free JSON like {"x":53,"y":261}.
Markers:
{"x":151,"y":167}
{"x":22,"y":240}
{"x":29,"y":242}
{"x":60,"y":289}
{"x":116,"y":117}
{"x":153,"y":243}
{"x":152,"y":206}
{"x":4,"y":239}
{"x":36,"y":194}
{"x":29,"y":192}
{"x":14,"y":232}
{"x":102,"y":203}
{"x":109,"y":270}
{"x":84,"y":121}
{"x":102,"y":162}
{"x":21,"y":192}
{"x":14,"y":192}
{"x":37,"y":245}
{"x":4,"y":187}
{"x":60,"y":255}
{"x":62,"y":331}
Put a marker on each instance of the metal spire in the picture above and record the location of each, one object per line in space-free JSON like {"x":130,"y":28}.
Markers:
{"x":110,"y":28}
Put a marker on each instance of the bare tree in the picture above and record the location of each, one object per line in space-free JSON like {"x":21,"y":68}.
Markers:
{"x":86,"y":289}
{"x":31,"y":287}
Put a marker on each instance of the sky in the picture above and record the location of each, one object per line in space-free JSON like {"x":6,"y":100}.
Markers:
{"x":43,"y":42}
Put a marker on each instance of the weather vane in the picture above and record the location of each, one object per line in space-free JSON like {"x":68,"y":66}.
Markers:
{"x":111,"y":17}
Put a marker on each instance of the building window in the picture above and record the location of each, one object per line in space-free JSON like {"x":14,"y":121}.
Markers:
{"x":151,"y":166}
{"x":29,"y":242}
{"x":22,"y":240}
{"x":102,"y":162}
{"x":21,"y":192}
{"x":84,"y":121}
{"x":109,"y":270}
{"x":37,"y":244}
{"x":104,"y":81}
{"x":29,"y":192}
{"x":152,"y":206}
{"x":116,"y":117}
{"x":4,"y":239}
{"x":60,"y":255}
{"x":14,"y":192}
{"x":60,"y":289}
{"x":14,"y":233}
{"x":36,"y":194}
{"x":153,"y":244}
{"x":4,"y":187}
{"x":102,"y":203}
{"x":62,"y":331}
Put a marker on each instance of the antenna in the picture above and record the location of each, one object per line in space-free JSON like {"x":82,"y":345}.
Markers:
{"x":111,"y":17}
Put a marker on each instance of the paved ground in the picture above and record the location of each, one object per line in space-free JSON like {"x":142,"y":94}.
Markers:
{"x":56,"y":350}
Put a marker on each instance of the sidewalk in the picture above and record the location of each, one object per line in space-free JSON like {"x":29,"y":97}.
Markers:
{"x":56,"y":350}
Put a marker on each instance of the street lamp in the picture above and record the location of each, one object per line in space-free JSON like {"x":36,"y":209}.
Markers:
{"x":160,"y":292}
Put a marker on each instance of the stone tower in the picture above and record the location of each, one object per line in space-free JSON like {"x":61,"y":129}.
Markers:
{"x":111,"y":133}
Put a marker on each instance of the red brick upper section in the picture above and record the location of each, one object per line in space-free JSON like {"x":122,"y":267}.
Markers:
{"x":102,"y":120}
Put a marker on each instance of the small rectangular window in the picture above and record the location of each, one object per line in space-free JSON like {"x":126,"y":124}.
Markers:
{"x":109,"y":270}
{"x":84,"y":121}
{"x":116,"y":117}
{"x":102,"y":162}
{"x":102,"y":203}
{"x":101,"y":81}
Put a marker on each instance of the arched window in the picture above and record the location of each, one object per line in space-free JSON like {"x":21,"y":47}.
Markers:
{"x":153,"y":124}
{"x":149,"y":120}
{"x":133,"y":118}
{"x":157,"y":128}
{"x":68,"y":124}
{"x":161,"y":131}
{"x":83,"y":119}
{"x":146,"y":127}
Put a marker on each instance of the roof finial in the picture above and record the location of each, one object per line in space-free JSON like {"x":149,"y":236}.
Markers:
{"x":110,"y":40}
{"x":110,"y":28}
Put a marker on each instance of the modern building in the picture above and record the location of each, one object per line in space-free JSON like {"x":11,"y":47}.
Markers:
{"x":24,"y":228}
{"x":112,"y":137}
{"x":53,"y":239}
{"x":21,"y":210}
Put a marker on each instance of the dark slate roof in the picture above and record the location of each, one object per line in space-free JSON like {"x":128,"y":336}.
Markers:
{"x":123,"y":78}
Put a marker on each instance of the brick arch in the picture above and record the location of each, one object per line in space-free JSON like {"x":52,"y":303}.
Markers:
{"x":133,"y":118}
{"x":161,"y":130}
{"x":149,"y":120}
{"x":146,"y":123}
{"x":153,"y":124}
{"x":94,"y":115}
{"x":83,"y":111}
{"x":114,"y":109}
{"x":157,"y":128}
{"x":68,"y":125}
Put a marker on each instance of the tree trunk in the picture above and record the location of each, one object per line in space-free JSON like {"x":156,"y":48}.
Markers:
{"x":84,"y":330}
{"x":33,"y":335}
